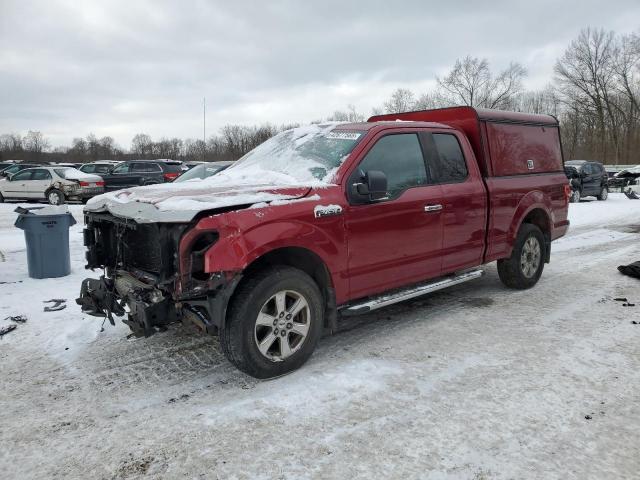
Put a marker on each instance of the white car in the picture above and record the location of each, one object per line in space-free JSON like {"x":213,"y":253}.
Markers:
{"x":54,"y":184}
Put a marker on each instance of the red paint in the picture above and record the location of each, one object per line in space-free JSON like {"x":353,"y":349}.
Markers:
{"x":375,"y":247}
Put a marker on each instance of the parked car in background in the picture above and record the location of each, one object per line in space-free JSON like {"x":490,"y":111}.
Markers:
{"x":99,"y":168}
{"x":587,"y":178}
{"x":64,"y":164}
{"x":203,"y":170}
{"x":625,"y":178}
{"x":4,"y":165}
{"x":15,"y":168}
{"x":54,"y":184}
{"x":141,"y":172}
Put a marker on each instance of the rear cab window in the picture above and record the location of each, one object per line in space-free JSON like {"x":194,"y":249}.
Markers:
{"x":446,"y":160}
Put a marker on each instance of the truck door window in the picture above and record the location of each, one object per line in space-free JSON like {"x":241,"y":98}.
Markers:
{"x":400,"y":157}
{"x":448,"y":164}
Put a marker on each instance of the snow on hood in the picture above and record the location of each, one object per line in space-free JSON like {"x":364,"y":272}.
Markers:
{"x":181,"y":202}
{"x":284,"y":167}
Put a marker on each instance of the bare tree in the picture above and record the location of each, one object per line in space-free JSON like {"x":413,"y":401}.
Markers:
{"x":142,"y":145}
{"x":402,"y":100}
{"x":35,"y":144}
{"x":472,"y":83}
{"x":348,"y":115}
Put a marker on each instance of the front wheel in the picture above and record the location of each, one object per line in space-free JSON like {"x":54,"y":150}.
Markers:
{"x":55,"y":197}
{"x":274,"y":322}
{"x":524,"y":267}
{"x":604,"y":194}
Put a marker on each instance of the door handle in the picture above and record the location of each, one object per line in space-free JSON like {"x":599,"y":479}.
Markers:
{"x":432,"y":208}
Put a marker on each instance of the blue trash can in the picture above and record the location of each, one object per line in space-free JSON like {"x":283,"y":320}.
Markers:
{"x":46,"y":233}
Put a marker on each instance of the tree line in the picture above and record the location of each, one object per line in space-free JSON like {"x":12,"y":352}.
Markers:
{"x":595,"y":93}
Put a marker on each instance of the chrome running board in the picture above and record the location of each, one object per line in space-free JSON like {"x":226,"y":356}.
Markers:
{"x":374,"y":303}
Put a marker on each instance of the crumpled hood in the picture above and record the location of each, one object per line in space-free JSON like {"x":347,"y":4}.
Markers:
{"x":181,"y":202}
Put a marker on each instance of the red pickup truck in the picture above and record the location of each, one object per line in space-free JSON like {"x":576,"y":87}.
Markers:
{"x":330,"y":220}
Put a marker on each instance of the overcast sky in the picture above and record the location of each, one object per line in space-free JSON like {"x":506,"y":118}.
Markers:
{"x":68,"y":68}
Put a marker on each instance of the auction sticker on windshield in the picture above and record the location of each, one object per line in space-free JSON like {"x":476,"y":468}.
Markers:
{"x":338,"y":135}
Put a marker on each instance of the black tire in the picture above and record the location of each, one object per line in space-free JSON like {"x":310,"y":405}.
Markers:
{"x":239,"y":337}
{"x":511,"y":270}
{"x":575,"y":196}
{"x":55,"y":192}
{"x":604,"y":194}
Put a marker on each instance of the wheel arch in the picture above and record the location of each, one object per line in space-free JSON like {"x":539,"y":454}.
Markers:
{"x":539,"y":217}
{"x":302,"y":259}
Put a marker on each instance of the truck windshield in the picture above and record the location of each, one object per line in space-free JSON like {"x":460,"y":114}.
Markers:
{"x":307,"y":154}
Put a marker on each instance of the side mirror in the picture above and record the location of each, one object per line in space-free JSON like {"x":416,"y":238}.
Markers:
{"x":374,"y":186}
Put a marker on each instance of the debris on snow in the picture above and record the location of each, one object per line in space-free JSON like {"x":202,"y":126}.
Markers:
{"x":17,"y":318}
{"x":6,"y":329}
{"x":632,"y":270}
{"x":58,"y":304}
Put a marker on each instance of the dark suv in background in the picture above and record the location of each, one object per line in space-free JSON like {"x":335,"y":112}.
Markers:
{"x":587,"y":179}
{"x":141,"y":172}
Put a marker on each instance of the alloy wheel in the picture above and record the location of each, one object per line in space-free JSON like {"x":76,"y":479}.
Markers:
{"x":530,"y":257}
{"x":282,"y":325}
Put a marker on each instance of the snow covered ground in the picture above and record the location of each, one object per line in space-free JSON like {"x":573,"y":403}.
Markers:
{"x":474,"y":382}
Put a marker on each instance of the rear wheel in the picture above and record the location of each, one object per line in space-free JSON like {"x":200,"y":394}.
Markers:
{"x":274,"y":322}
{"x":524,"y":267}
{"x":604,"y":194}
{"x":55,"y":197}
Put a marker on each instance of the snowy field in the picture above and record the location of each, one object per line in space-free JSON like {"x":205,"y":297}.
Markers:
{"x":474,"y":382}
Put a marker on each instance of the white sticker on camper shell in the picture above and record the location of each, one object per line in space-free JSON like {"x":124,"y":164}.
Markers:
{"x":339,"y":135}
{"x":530,"y":165}
{"x":321,"y":211}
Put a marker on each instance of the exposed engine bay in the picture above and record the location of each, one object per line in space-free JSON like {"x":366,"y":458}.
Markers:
{"x":142,"y":277}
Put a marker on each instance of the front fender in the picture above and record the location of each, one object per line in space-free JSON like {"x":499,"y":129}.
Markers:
{"x":237,"y":249}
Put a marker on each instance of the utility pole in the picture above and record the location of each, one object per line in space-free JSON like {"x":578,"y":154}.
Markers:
{"x":204,"y":128}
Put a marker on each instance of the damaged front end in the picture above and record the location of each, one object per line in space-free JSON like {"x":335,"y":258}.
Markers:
{"x":142,"y":279}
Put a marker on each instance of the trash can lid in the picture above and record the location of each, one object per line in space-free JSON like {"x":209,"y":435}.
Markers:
{"x":33,"y":214}
{"x":47,"y":210}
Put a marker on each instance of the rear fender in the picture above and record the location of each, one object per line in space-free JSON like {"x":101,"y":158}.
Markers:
{"x":530,"y":202}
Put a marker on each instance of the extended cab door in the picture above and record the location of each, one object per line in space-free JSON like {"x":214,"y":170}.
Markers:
{"x":397,"y":240}
{"x":452,"y":165}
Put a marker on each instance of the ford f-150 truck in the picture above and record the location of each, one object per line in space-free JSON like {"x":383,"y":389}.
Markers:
{"x":330,"y":220}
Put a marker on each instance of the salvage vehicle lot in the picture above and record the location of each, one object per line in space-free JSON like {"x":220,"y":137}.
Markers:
{"x":471,"y":382}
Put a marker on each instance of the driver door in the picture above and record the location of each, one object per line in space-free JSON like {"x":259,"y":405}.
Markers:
{"x":397,"y":240}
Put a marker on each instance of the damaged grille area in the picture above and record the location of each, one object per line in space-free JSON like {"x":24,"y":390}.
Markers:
{"x":122,"y":244}
{"x":142,"y":248}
